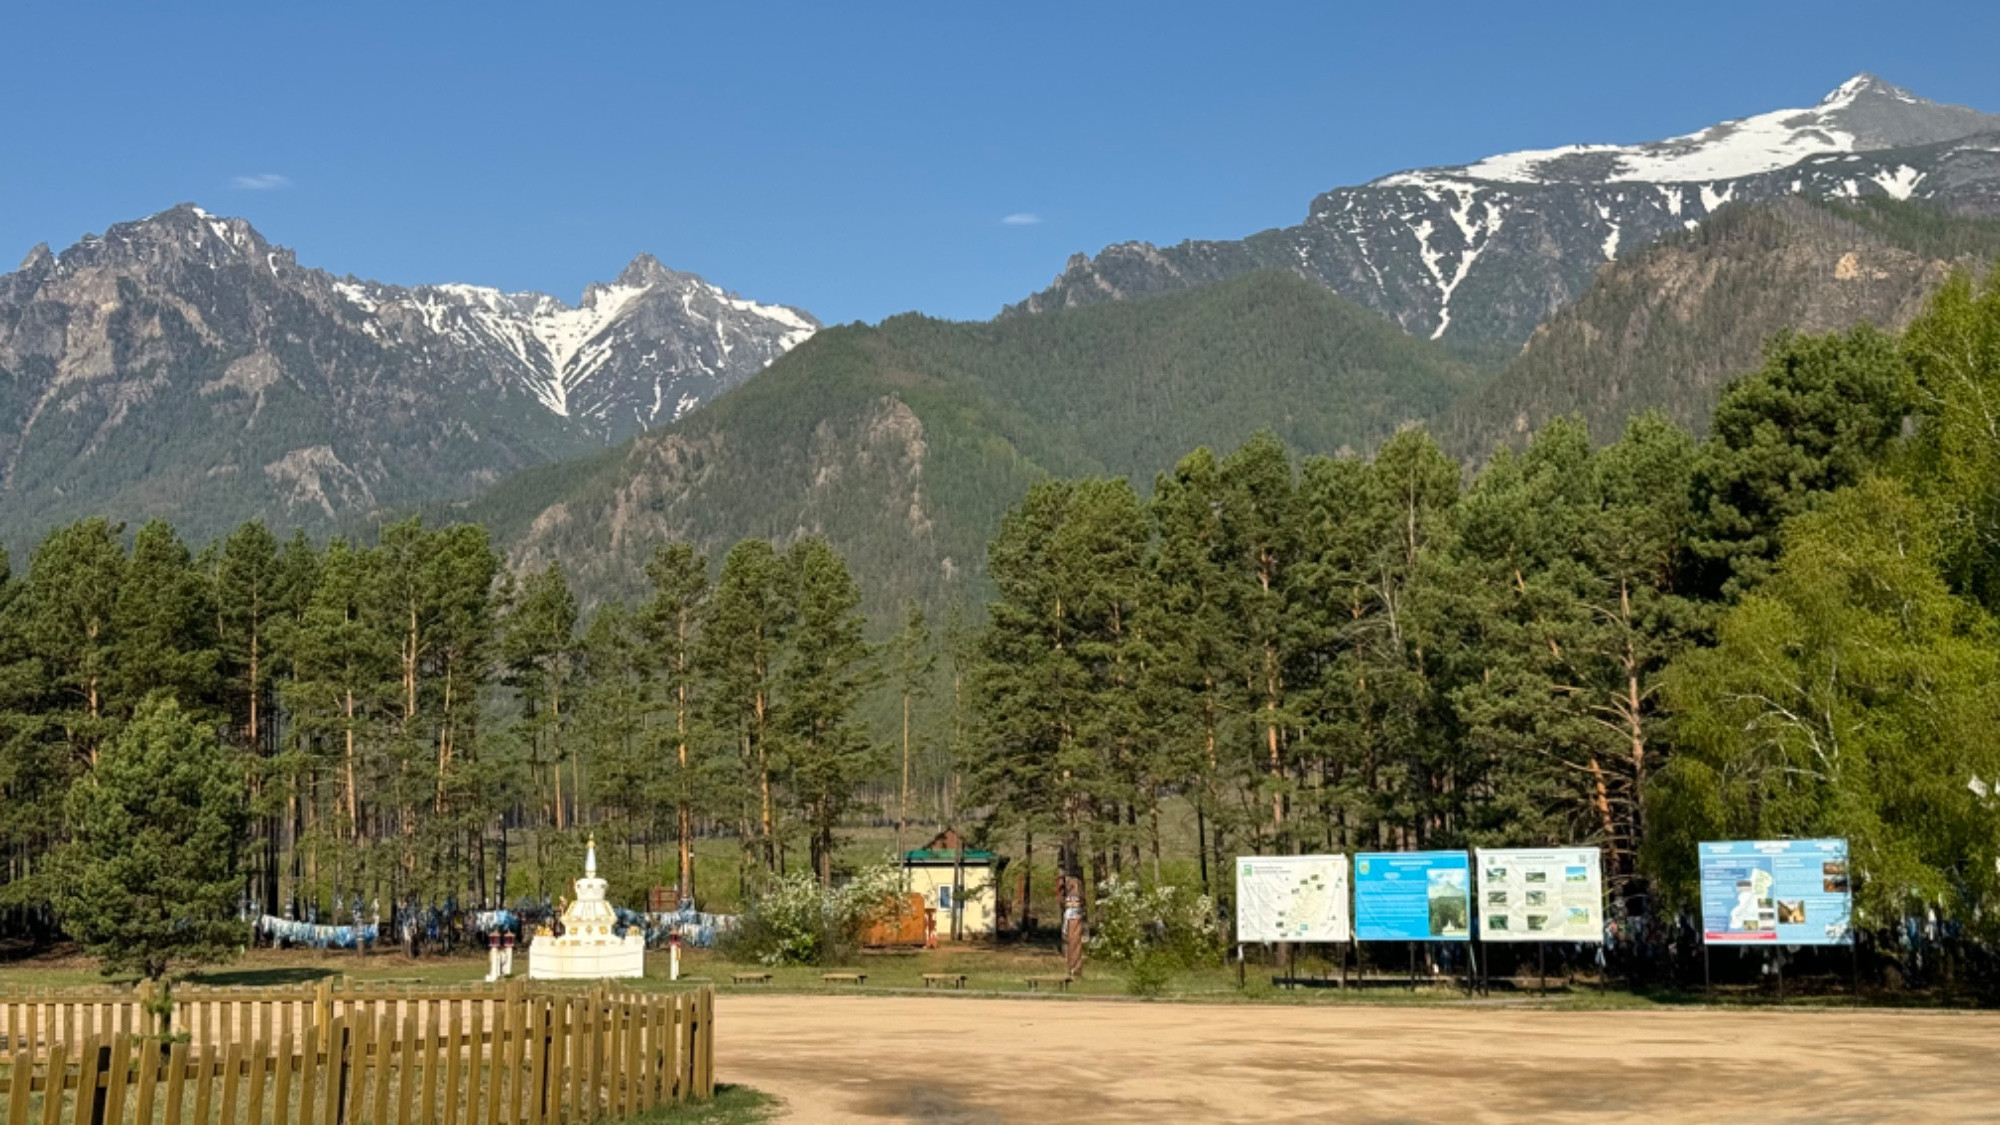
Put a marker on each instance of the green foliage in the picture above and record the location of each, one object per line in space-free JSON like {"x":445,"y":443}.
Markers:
{"x":797,"y":920}
{"x":148,"y":879}
{"x":1154,"y":929}
{"x":1954,"y":354}
{"x":1819,"y":413}
{"x":826,"y":754}
{"x":904,"y":444}
{"x":1851,"y":695}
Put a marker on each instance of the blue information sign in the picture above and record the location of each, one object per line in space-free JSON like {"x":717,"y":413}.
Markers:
{"x":1412,"y":896}
{"x":1792,"y":891}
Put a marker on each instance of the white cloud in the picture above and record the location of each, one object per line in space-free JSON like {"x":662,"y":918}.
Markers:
{"x":262,"y":181}
{"x":1022,"y":219}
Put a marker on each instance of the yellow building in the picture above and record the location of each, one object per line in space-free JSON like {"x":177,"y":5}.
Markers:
{"x":942,"y":873}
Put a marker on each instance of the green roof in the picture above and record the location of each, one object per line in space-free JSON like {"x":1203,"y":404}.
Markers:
{"x":927,"y":855}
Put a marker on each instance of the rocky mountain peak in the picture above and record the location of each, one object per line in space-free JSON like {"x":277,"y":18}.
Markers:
{"x":181,"y":235}
{"x":194,"y":356}
{"x":1876,"y":114}
{"x":644,"y":270}
{"x":1483,"y":252}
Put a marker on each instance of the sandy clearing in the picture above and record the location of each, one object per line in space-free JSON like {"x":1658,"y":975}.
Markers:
{"x":973,"y":1061}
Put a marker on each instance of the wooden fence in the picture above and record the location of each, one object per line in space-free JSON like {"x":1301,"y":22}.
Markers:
{"x":327,"y":1055}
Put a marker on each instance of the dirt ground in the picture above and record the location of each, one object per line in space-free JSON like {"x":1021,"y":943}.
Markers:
{"x":973,"y":1061}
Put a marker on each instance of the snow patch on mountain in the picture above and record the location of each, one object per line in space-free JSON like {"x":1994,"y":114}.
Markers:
{"x":1842,"y":122}
{"x":1898,"y":184}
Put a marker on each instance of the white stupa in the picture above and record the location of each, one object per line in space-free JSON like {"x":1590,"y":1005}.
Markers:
{"x":588,"y":948}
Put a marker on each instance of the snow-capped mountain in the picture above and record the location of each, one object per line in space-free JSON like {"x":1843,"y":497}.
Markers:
{"x":636,"y":353}
{"x":1481,"y":253}
{"x":181,"y":365}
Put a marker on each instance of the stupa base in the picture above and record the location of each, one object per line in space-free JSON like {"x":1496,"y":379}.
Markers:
{"x":558,"y":959}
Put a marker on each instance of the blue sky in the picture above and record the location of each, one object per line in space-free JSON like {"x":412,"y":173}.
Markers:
{"x":859,"y":159}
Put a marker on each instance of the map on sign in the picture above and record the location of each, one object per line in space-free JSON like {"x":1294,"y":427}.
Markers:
{"x":1792,"y":891}
{"x":1541,"y":894}
{"x":1291,"y":898}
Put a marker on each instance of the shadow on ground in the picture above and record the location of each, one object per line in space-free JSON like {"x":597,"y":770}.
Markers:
{"x":929,"y":1105}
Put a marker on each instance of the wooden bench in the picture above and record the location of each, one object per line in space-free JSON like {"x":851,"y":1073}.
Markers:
{"x":750,"y":978}
{"x":1061,"y":984}
{"x":844,"y":978}
{"x":944,"y":980}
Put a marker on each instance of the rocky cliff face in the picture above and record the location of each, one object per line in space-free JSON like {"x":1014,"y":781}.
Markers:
{"x":1482,"y":253}
{"x":1668,"y":327}
{"x":182,"y":366}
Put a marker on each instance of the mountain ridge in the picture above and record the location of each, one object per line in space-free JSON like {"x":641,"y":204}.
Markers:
{"x":905,"y":442}
{"x":1481,"y":253}
{"x":182,"y":364}
{"x":1668,"y":327}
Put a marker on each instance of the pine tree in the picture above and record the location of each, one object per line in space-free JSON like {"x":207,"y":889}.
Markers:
{"x":165,"y":623}
{"x":828,"y":666}
{"x":914,"y":663}
{"x":1259,"y":524}
{"x":671,"y":628}
{"x":70,"y":618}
{"x":345,"y":685}
{"x":1818,"y":415}
{"x":611,"y":723}
{"x":246,"y":596}
{"x":742,"y":642}
{"x":1028,"y":688}
{"x":539,"y":646}
{"x":149,"y":878}
{"x":1191,"y":675}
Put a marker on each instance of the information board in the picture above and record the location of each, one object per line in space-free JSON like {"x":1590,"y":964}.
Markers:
{"x":1412,"y":896}
{"x":1793,"y":891}
{"x":1291,"y":898}
{"x":1540,"y":894}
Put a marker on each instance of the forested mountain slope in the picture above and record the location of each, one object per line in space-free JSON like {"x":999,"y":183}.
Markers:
{"x":905,"y":442}
{"x":1668,"y":327}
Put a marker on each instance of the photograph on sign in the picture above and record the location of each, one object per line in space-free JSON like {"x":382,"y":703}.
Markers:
{"x":1540,"y":894}
{"x":1300,"y":898}
{"x":1412,"y":896}
{"x":1796,"y":892}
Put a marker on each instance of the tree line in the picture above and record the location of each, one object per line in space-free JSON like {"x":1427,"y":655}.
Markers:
{"x":391,"y":716}
{"x":1784,"y":629}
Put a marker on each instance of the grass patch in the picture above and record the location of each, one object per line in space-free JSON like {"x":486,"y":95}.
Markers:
{"x":731,"y":1105}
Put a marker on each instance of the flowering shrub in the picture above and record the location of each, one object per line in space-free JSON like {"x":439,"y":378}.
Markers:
{"x":795,"y":921}
{"x":1155,"y":931}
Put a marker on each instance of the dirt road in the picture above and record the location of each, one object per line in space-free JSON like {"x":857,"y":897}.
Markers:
{"x":973,"y":1061}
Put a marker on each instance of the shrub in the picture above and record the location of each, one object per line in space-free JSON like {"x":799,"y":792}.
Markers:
{"x":795,"y":921}
{"x":1154,"y":932}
